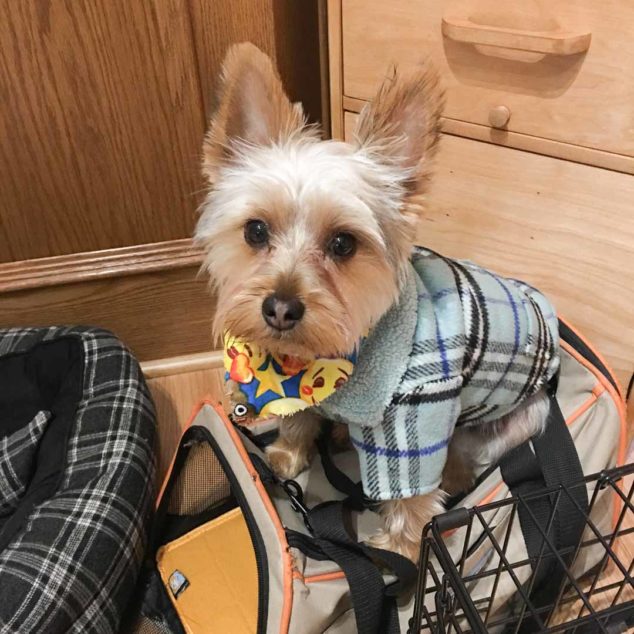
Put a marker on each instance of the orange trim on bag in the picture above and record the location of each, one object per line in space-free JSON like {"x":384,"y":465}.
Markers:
{"x":597,"y":390}
{"x":327,"y":576}
{"x":188,"y":424}
{"x":287,"y":560}
{"x":614,"y":393}
{"x":620,"y":406}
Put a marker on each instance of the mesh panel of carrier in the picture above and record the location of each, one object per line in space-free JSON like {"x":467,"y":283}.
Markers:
{"x":144,"y":625}
{"x":200,"y":484}
{"x":476,"y":574}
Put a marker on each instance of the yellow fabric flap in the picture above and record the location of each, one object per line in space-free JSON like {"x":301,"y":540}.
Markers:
{"x":211,"y":577}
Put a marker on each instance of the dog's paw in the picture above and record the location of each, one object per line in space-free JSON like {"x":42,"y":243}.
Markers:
{"x":396,"y":543}
{"x":404,"y":521}
{"x":287,"y":462}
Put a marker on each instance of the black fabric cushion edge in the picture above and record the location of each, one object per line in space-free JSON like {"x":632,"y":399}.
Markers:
{"x":50,"y":376}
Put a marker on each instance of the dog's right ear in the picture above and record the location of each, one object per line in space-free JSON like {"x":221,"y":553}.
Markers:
{"x":251,"y":107}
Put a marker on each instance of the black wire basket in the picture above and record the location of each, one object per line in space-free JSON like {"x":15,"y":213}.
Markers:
{"x":478,"y":574}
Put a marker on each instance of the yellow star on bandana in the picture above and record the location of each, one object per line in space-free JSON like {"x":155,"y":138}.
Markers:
{"x":269,"y":380}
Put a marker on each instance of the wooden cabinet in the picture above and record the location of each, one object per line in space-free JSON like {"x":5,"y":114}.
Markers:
{"x":549,"y":215}
{"x":103,"y":109}
{"x":523,"y":71}
{"x":581,"y":97}
{"x":101,"y":118}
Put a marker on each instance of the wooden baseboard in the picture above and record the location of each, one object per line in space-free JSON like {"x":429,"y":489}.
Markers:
{"x":83,"y":267}
{"x":175,"y":398}
{"x":151,"y":296}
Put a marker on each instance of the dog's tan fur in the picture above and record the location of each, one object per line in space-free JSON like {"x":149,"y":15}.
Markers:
{"x":263,"y":163}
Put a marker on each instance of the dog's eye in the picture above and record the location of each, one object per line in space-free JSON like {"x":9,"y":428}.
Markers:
{"x":256,"y":233}
{"x":342,"y":245}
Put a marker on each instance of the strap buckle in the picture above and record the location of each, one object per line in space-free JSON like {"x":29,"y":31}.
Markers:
{"x":296,"y":497}
{"x":443,"y":600}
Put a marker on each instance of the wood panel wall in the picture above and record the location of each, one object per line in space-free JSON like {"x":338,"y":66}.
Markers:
{"x":101,"y":125}
{"x":287,"y":30}
{"x":103,"y":106}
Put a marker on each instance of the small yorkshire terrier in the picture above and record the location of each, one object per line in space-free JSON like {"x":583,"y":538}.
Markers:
{"x":310,"y":246}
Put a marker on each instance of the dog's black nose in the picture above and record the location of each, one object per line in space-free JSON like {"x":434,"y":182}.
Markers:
{"x":281,"y":313}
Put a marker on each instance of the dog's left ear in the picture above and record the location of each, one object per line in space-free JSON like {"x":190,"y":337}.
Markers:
{"x":251,"y":107}
{"x":401,"y":125}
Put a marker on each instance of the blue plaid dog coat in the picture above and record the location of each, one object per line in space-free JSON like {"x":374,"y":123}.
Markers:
{"x":461,"y":346}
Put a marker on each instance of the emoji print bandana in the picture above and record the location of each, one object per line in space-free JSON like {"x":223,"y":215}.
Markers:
{"x":271,"y":385}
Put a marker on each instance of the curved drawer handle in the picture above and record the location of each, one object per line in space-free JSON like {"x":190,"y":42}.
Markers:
{"x":546,"y":42}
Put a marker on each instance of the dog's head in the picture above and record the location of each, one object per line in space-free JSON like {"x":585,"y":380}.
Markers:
{"x":307,"y":241}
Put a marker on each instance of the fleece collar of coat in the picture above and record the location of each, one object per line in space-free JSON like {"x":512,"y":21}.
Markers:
{"x":381,"y":362}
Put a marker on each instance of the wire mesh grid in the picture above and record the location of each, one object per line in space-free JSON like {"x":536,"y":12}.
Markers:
{"x":476,"y":574}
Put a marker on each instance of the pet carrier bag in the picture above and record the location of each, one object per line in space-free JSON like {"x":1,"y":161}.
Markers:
{"x":238,"y":550}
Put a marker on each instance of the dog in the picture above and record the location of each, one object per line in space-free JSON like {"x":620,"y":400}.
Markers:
{"x":310,"y":249}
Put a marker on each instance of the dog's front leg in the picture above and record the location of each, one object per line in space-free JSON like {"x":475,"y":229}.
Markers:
{"x":403,"y":523}
{"x":291,"y":453}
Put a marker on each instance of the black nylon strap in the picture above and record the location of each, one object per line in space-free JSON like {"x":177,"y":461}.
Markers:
{"x":366,"y":582}
{"x":374,"y":604}
{"x":337,"y":478}
{"x":555,"y":462}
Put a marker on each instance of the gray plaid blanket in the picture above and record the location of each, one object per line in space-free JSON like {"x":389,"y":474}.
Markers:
{"x":75,"y":506}
{"x":462,"y":346}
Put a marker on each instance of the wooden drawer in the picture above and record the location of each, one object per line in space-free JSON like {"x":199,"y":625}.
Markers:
{"x":564,"y":227}
{"x":585,"y":99}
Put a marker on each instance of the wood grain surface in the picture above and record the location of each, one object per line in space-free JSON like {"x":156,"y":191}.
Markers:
{"x":584,"y":99}
{"x":548,"y":147}
{"x":104,"y":108}
{"x":101,"y":125}
{"x":81,"y":267}
{"x":335,"y":56}
{"x":286,"y":30}
{"x":175,"y":397}
{"x":183,"y":364}
{"x":217,"y":25}
{"x":297,"y":52}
